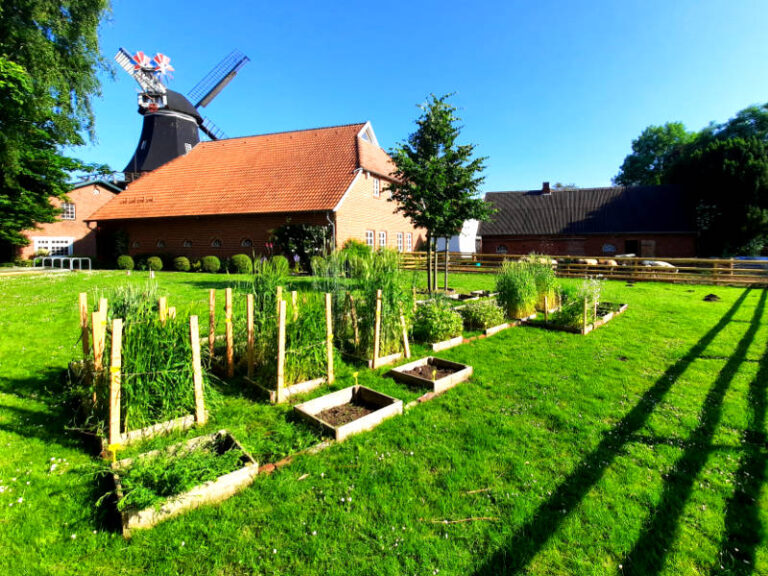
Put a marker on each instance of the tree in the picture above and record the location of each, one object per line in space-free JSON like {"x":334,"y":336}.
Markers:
{"x":653,"y":152}
{"x":48,"y":61}
{"x":436,"y":179}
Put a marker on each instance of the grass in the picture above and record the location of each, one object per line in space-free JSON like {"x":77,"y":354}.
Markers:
{"x":637,"y":449}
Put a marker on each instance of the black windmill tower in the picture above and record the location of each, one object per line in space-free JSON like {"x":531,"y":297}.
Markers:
{"x":172,"y":123}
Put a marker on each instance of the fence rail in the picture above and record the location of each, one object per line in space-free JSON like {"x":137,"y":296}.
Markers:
{"x":723,"y":271}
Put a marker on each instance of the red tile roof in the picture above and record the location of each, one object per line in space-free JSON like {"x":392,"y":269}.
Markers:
{"x":306,"y":170}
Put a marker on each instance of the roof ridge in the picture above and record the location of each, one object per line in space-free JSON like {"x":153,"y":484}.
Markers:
{"x":287,"y":132}
{"x":581,"y":189}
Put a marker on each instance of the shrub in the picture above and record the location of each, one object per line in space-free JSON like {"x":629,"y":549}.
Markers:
{"x":155,"y":263}
{"x":280,"y":265}
{"x":196,"y":265}
{"x":516,"y":286}
{"x":241,"y":264}
{"x":181,"y":264}
{"x":436,"y":321}
{"x":482,"y":314}
{"x":304,"y":240}
{"x":572,"y":298}
{"x":125,"y":262}
{"x":211,"y":264}
{"x":41,"y":253}
{"x":354,"y":247}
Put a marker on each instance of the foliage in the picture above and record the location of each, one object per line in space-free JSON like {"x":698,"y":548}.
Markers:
{"x":155,"y":263}
{"x":181,"y":264}
{"x":241,"y":264}
{"x":329,"y":271}
{"x":304,"y":240}
{"x":280,"y":265}
{"x":653,"y":152}
{"x":482,"y":314}
{"x":545,"y":278}
{"x":125,"y":262}
{"x":571,"y":313}
{"x":49,"y":55}
{"x":211,"y":264}
{"x":436,"y":321}
{"x":354,"y":247}
{"x":516,"y":285}
{"x":131,"y":301}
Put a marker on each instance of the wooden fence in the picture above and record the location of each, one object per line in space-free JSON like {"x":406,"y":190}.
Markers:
{"x":681,"y":270}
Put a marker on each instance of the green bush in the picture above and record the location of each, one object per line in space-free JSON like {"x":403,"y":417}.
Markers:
{"x":354,"y":247}
{"x":211,"y":264}
{"x":280,"y":265}
{"x":155,"y":263}
{"x":482,"y":314}
{"x":125,"y":262}
{"x":436,"y":321}
{"x":181,"y":264}
{"x":195,"y":265}
{"x":516,"y":286}
{"x":241,"y":264}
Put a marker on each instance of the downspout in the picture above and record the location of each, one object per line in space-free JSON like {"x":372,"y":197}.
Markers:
{"x":333,"y":227}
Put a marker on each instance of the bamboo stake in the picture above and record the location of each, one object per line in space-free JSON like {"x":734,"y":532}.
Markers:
{"x":353,"y":313}
{"x":281,"y":351}
{"x":211,"y":321}
{"x":115,"y":364}
{"x":84,"y":323}
{"x":406,"y":344}
{"x":546,"y":309}
{"x":162,"y":306}
{"x":329,"y":337}
{"x":249,"y":320}
{"x":295,"y":304}
{"x":197,"y":376}
{"x":377,"y":330}
{"x":279,"y":298}
{"x":230,"y":335}
{"x":98,"y":328}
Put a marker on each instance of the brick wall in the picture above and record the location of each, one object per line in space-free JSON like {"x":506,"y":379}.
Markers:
{"x":87,"y":200}
{"x":650,"y":245}
{"x":361,"y":211}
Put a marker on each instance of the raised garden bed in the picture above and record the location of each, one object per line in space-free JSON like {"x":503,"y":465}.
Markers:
{"x":216,"y":465}
{"x":431,"y":372}
{"x":349,"y":411}
{"x":464,"y":297}
{"x":446,"y":344}
{"x":606,"y":311}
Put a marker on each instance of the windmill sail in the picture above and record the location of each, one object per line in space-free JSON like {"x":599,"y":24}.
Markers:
{"x":215,"y":81}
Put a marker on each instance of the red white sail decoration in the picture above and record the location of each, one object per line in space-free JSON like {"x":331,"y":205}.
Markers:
{"x":142,"y":61}
{"x":162,"y":64}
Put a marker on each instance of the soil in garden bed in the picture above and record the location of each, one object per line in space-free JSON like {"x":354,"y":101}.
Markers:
{"x":346,"y":413}
{"x":427,"y":370}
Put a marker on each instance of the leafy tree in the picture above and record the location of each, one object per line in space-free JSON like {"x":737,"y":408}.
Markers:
{"x":653,"y":152}
{"x":436,"y":179}
{"x":48,"y":61}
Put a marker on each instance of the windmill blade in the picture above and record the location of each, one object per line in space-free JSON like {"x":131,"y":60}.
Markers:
{"x":147,"y":80}
{"x":211,"y":130}
{"x":215,"y":81}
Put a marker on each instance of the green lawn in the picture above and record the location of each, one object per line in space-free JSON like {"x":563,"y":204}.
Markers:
{"x":637,"y":449}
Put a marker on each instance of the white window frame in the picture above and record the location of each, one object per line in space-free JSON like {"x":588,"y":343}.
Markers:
{"x":409,"y":242}
{"x":400,"y":242}
{"x":68,"y":211}
{"x":52,"y":243}
{"x":369,"y":238}
{"x":376,"y":187}
{"x":382,"y":236}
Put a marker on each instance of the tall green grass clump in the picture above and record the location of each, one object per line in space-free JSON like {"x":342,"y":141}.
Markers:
{"x":571,"y":313}
{"x":545,"y":278}
{"x":516,"y":285}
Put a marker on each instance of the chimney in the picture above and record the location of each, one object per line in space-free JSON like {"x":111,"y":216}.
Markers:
{"x":545,"y":189}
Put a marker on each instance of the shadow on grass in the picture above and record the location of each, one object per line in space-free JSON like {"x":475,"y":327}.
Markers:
{"x":650,"y":550}
{"x":531,"y":537}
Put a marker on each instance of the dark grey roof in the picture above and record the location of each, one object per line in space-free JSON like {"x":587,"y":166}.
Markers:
{"x":617,"y":210}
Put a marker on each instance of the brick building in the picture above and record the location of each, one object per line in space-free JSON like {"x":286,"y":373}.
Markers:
{"x":225,"y":197}
{"x":650,"y":221}
{"x":73,"y":233}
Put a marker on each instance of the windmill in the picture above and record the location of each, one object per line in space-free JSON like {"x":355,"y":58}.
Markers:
{"x":171,"y":121}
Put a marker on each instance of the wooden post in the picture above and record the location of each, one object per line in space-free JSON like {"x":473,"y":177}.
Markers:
{"x":84,"y":323}
{"x":249,"y":321}
{"x":584,"y":329}
{"x":115,"y":364}
{"x":281,"y":350}
{"x":162,"y":307}
{"x":197,"y":376}
{"x":295,"y":304}
{"x":211,"y":321}
{"x":377,"y":331}
{"x":172,"y":312}
{"x":103,"y":308}
{"x":353,"y":314}
{"x":98,"y":329}
{"x":546,"y":309}
{"x":414,"y":298}
{"x":278,"y":299}
{"x":329,"y":337}
{"x":229,"y":332}
{"x":406,"y":344}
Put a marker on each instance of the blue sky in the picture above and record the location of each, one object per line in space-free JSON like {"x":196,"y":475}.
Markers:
{"x":547,"y":90}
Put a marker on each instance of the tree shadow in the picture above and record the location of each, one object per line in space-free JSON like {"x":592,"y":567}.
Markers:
{"x":650,"y":550}
{"x":531,"y":537}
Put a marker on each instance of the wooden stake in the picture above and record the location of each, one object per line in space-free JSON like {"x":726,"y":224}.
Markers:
{"x":406,"y":344}
{"x":414,"y":298}
{"x":377,"y":330}
{"x":279,"y":298}
{"x":329,"y":337}
{"x":115,"y":364}
{"x":281,"y":351}
{"x":546,"y":309}
{"x":103,"y":307}
{"x":84,"y":323}
{"x":98,"y":329}
{"x":249,"y":320}
{"x":353,"y":313}
{"x":162,"y":307}
{"x":197,"y":376}
{"x":172,"y":312}
{"x":295,"y":304}
{"x":230,"y":335}
{"x":211,"y":321}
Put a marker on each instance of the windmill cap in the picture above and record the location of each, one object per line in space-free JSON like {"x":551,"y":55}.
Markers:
{"x":177,"y":102}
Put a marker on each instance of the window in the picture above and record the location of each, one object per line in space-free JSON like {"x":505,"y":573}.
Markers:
{"x":399,"y":241}
{"x":376,"y":187}
{"x":136,"y":244}
{"x":501,"y":249}
{"x":215,"y":243}
{"x":54,"y":246}
{"x":382,"y":239}
{"x":67,"y":211}
{"x":160,"y":244}
{"x":369,"y":238}
{"x":609,"y":249}
{"x":408,"y":242}
{"x":246,"y":242}
{"x":187,"y":243}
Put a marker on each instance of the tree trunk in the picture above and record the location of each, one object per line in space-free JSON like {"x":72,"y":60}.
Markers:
{"x":445,"y":275}
{"x":429,"y":263}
